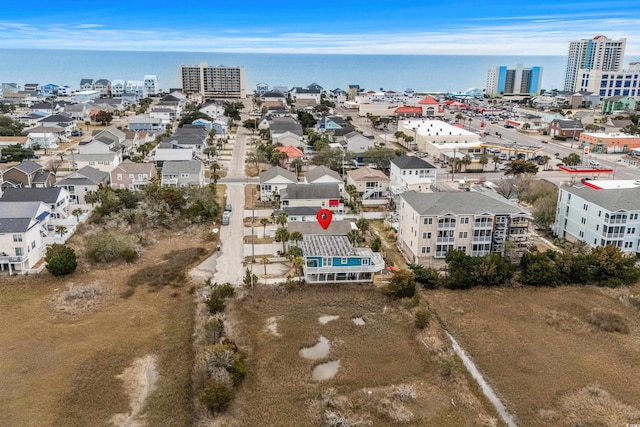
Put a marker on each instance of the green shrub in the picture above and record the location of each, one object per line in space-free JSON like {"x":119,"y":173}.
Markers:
{"x":237,"y":370}
{"x":223,"y":291}
{"x":401,"y":285}
{"x":110,"y":246}
{"x":215,"y":304}
{"x":216,"y":396}
{"x":214,"y":329}
{"x":61,"y":260}
{"x":422,"y":318}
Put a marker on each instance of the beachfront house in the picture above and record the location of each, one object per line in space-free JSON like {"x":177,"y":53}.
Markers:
{"x":182,"y":174}
{"x":331,"y":259}
{"x":132,"y":176}
{"x":23,"y":227}
{"x":82,"y":181}
{"x":56,"y":198}
{"x":26,"y":175}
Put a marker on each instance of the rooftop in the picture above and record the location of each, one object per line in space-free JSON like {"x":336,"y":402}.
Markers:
{"x":327,"y":246}
{"x":459,"y":203}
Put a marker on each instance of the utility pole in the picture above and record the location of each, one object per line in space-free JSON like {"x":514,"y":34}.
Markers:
{"x":253,"y":252}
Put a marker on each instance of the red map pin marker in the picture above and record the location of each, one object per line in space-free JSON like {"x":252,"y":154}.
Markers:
{"x":324,"y":218}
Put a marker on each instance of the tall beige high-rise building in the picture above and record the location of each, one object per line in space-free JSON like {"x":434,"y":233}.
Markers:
{"x":213,"y":82}
{"x":598,"y":53}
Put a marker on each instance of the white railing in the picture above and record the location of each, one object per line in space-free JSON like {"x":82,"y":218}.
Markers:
{"x":12,"y":259}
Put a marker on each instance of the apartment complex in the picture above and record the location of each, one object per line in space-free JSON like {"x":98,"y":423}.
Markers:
{"x":622,"y":83}
{"x":213,"y":82}
{"x":431,"y":224}
{"x":519,"y":80}
{"x":601,"y":213}
{"x":599,"y":53}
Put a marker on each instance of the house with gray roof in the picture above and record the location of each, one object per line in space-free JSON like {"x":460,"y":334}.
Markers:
{"x":26,"y":175}
{"x":281,"y":125}
{"x":56,"y":198}
{"x":333,"y":259}
{"x":188,"y":136}
{"x":146,"y":124}
{"x":326,"y":195}
{"x":601,"y":213}
{"x":133,"y":176}
{"x":86,"y":84}
{"x":106,"y":141}
{"x":23,"y":227}
{"x":566,"y":128}
{"x":411,"y":173}
{"x":478,"y":223}
{"x":273,"y":181}
{"x":82,"y":181}
{"x":356,"y":142}
{"x":323,"y":175}
{"x":182,"y":173}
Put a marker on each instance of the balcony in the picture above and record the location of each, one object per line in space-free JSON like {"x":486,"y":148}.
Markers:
{"x":169,"y":181}
{"x":481,"y":239}
{"x":445,"y":239}
{"x":7,"y":259}
{"x":376,"y":265}
{"x":613,"y":235}
{"x":446,"y":225}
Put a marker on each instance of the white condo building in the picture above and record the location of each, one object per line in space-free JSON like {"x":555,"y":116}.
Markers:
{"x":611,"y":83}
{"x":213,"y":81}
{"x":431,"y":224}
{"x":151,"y":85}
{"x":601,"y":213}
{"x":598,"y":53}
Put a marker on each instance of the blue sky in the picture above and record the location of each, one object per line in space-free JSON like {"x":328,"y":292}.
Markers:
{"x":541,"y":27}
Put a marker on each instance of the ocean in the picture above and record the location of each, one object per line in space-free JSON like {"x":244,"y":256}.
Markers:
{"x":422,"y":73}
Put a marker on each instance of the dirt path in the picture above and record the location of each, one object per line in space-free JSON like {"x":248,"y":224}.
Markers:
{"x":139,"y":381}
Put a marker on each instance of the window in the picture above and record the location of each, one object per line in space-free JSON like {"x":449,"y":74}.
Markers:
{"x":365,"y":261}
{"x":462,"y":248}
{"x":585,"y":207}
{"x":428,"y":221}
{"x":131,"y":176}
{"x":343,"y":261}
{"x":462,"y":235}
{"x":19,"y":252}
{"x":33,"y":244}
{"x":17,"y":237}
{"x":581,"y":233}
{"x":184,"y":175}
{"x":119,"y":177}
{"x":631,"y":230}
{"x":583,"y":220}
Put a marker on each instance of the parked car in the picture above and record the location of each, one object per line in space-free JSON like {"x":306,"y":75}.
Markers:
{"x":594,"y":163}
{"x":228,"y":207}
{"x":508,"y":126}
{"x":544,"y":141}
{"x":76,"y":133}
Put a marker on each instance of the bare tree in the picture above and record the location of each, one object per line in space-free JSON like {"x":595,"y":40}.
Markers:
{"x":506,"y":188}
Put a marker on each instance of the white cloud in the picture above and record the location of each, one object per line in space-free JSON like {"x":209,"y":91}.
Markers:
{"x":535,"y":35}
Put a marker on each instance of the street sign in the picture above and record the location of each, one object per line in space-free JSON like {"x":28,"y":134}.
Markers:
{"x":586,"y":150}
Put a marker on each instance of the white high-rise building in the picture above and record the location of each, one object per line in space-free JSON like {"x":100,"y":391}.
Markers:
{"x":213,"y":81}
{"x":151,"y":85}
{"x":598,"y":53}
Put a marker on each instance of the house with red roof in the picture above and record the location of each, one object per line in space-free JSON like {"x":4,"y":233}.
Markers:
{"x":291,"y":152}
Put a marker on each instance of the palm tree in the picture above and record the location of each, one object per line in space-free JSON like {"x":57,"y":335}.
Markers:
{"x":264,"y":222}
{"x":214,"y":168}
{"x":265,"y":260}
{"x":483,"y":161}
{"x":459,"y":117}
{"x":282,"y":219}
{"x":298,"y":263}
{"x":354,"y":237}
{"x":545,"y":161}
{"x":61,"y":230}
{"x":495,"y":160}
{"x":296,"y":236}
{"x":77,"y":212}
{"x":282,"y":235}
{"x":211,"y":136}
{"x":466,"y":161}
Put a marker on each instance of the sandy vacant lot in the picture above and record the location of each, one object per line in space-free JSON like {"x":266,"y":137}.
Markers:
{"x":550,"y":364}
{"x":74,"y":351}
{"x":388,"y":373}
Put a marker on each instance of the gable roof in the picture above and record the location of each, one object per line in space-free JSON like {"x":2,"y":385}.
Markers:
{"x":311,"y":191}
{"x":290,"y":151}
{"x":411,"y":162}
{"x":27,"y":167}
{"x":47,"y":195}
{"x":85,"y":176}
{"x":181,"y":166}
{"x":285,"y":124}
{"x":275,"y":171}
{"x":128,"y":166}
{"x":459,"y":203}
{"x":428,"y":100}
{"x":367,"y":173}
{"x":320,"y":171}
{"x":17,"y":217}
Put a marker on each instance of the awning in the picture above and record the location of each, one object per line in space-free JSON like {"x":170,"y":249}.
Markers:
{"x":450,"y":154}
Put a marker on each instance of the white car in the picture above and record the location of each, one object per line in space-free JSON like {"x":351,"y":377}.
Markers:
{"x":594,"y":163}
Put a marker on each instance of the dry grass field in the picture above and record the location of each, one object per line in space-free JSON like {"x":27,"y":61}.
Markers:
{"x":547,"y":352}
{"x":107,"y":343}
{"x":389,"y":373}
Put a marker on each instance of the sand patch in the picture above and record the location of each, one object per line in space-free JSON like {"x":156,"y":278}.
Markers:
{"x":139,"y":381}
{"x":318,"y":351}
{"x":272,"y":326}
{"x":326,"y":371}
{"x":358,"y":321}
{"x":326,"y":319}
